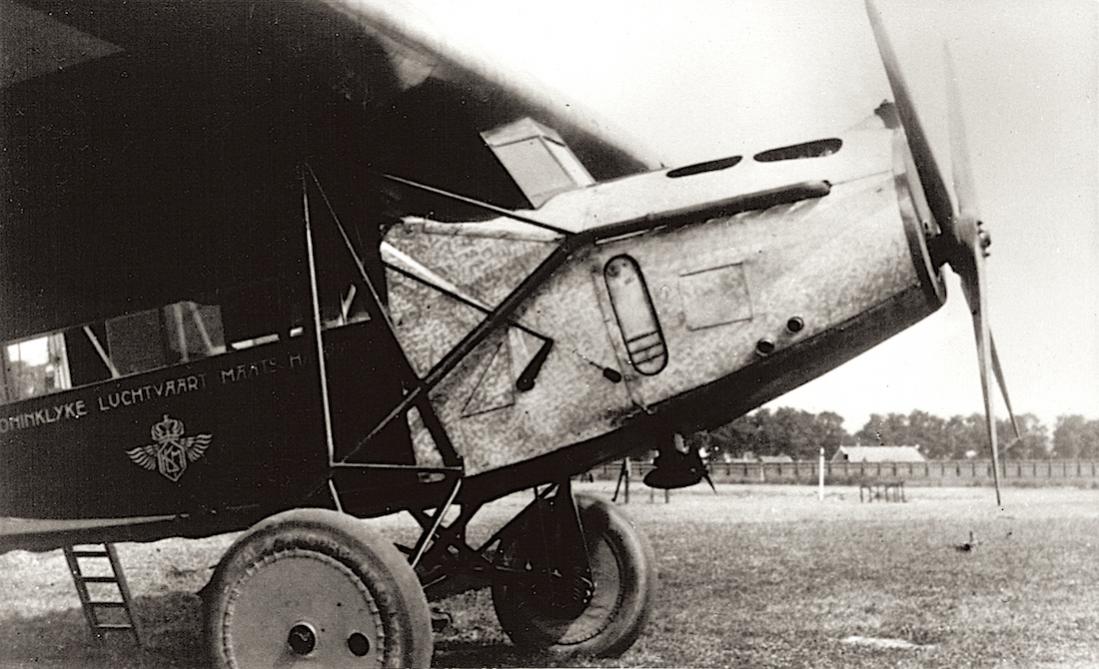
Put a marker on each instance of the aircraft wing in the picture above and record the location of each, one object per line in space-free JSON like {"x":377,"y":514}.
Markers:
{"x":371,"y":51}
{"x":150,"y":148}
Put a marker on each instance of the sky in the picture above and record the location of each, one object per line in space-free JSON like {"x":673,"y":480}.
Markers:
{"x":700,"y":79}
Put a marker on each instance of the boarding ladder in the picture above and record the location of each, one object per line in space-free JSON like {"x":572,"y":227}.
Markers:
{"x":106,"y":608}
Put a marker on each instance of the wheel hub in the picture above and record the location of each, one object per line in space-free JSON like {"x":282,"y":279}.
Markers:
{"x":302,"y":639}
{"x":325,"y":614}
{"x":563,"y":595}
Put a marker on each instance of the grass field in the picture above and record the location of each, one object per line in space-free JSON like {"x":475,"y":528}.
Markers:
{"x":763,"y":576}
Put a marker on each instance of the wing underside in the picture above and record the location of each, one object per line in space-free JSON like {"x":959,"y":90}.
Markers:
{"x":151,"y":148}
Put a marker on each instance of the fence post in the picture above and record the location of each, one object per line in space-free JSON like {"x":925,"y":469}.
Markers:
{"x":820,"y":476}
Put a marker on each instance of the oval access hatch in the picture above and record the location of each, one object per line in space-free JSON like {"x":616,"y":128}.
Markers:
{"x":636,"y":315}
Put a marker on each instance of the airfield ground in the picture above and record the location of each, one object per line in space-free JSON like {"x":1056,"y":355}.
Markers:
{"x":755,"y":576}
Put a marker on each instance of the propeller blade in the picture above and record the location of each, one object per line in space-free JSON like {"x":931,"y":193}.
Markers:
{"x":984,"y":359}
{"x":965,"y":241}
{"x":964,"y":191}
{"x":926,"y":167}
{"x":967,"y":258}
{"x":999,"y":372}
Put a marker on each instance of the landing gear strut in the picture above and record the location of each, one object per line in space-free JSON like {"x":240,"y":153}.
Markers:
{"x":598,"y":615}
{"x":570,"y":576}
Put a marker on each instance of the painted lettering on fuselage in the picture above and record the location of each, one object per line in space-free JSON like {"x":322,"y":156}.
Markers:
{"x":18,"y":418}
{"x":139,"y":394}
{"x":249,"y":370}
{"x":29,"y":419}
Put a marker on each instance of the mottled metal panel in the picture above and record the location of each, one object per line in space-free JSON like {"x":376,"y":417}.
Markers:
{"x":494,"y":389}
{"x":571,"y":400}
{"x":428,"y":323}
{"x":824,"y":261}
{"x":715,"y":296}
{"x":487,"y":267}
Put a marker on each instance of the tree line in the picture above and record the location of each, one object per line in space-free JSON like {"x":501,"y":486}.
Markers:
{"x":800,"y":434}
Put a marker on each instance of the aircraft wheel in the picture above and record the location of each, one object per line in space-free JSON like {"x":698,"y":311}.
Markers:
{"x":315,"y":587}
{"x":622,"y":565}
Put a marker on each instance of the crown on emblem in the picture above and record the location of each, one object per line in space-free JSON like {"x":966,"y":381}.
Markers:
{"x":168,"y":429}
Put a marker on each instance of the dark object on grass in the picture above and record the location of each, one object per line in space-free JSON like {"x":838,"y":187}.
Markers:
{"x":969,"y":545}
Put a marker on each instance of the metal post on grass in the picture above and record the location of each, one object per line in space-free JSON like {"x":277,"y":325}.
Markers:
{"x":820,"y":476}
{"x":623,"y":477}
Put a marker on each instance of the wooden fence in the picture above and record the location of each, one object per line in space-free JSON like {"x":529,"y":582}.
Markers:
{"x":936,"y":472}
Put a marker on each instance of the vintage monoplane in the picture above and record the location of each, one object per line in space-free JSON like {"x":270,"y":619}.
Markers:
{"x":286,"y":265}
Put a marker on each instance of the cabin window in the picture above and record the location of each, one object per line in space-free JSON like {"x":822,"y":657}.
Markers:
{"x":636,"y":315}
{"x":33,"y":367}
{"x":194,"y":327}
{"x":141,"y":341}
{"x":177,"y":333}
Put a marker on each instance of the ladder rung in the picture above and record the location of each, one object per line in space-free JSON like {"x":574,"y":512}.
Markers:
{"x":93,"y":607}
{"x":90,"y":554}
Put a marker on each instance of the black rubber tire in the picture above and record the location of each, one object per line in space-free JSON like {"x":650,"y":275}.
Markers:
{"x":623,"y":568}
{"x":371,"y":577}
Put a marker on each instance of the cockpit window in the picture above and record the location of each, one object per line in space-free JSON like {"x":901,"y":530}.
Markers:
{"x":815,"y":149}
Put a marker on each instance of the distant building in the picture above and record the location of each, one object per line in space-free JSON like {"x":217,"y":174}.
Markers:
{"x":878,"y":454}
{"x":748,"y":457}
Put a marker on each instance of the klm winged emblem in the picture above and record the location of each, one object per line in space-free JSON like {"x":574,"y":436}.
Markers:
{"x":170,"y":451}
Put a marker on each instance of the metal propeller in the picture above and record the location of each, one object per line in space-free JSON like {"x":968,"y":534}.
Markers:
{"x":963,"y":242}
